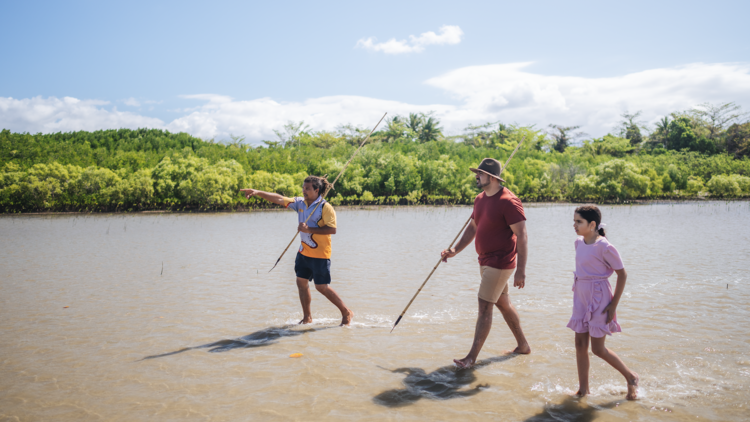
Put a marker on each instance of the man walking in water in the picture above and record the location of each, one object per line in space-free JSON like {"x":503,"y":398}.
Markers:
{"x":313,"y":262}
{"x":499,"y":225}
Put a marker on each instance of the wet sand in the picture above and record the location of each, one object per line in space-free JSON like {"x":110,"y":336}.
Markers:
{"x":210,"y":337}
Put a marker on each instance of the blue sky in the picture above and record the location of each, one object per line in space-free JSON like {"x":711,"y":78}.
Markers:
{"x":214,"y":68}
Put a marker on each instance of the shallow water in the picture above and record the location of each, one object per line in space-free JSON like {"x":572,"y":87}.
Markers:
{"x":174,"y":317}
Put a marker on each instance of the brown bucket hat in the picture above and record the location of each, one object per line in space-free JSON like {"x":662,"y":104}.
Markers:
{"x":490,"y":167}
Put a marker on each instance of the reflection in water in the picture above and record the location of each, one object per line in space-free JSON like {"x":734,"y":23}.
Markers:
{"x":264,"y":337}
{"x":442,"y":384}
{"x":572,"y":409}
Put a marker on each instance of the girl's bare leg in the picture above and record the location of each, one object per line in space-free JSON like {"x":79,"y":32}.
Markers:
{"x":597,"y":346}
{"x":582,"y":359}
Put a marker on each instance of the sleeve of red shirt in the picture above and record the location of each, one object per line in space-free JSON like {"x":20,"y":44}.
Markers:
{"x":514,"y":212}
{"x":475,"y":204}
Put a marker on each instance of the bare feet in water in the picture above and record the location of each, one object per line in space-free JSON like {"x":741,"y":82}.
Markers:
{"x":581,"y":394}
{"x":346,"y":319}
{"x":464,"y":363}
{"x":306,"y":320}
{"x":521,"y":350}
{"x":633,"y":387}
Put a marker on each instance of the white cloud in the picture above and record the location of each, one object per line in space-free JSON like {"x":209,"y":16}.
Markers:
{"x":505,"y":92}
{"x":449,"y":34}
{"x":509,"y":93}
{"x":256,"y":119}
{"x":389,"y":47}
{"x":211,"y":98}
{"x":132,"y":102}
{"x":66,"y":114}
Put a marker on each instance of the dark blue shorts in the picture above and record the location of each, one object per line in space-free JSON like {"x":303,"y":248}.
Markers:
{"x":313,"y":269}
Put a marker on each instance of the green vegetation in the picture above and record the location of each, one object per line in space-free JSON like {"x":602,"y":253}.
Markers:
{"x":699,"y":153}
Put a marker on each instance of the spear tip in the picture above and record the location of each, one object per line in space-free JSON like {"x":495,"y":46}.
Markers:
{"x":274,"y":265}
{"x":397,"y":321}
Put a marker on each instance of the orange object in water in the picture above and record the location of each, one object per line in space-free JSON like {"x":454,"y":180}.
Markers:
{"x":295,"y":355}
{"x":66,"y":307}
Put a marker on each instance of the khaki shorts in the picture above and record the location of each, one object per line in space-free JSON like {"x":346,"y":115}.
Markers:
{"x":494,"y":283}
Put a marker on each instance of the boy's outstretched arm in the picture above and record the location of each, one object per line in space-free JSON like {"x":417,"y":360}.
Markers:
{"x":270,"y":197}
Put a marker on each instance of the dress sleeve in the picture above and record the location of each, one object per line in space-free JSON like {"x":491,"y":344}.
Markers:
{"x":514,"y":212}
{"x":612,"y":258}
{"x":329,"y":215}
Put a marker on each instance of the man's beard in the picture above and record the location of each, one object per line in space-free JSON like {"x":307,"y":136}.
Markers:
{"x":480,"y":185}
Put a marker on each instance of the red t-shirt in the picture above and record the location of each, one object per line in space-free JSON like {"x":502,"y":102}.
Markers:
{"x":495,"y":241}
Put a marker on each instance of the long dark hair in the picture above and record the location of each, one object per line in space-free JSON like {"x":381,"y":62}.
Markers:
{"x":591,"y":213}
{"x":318,"y":183}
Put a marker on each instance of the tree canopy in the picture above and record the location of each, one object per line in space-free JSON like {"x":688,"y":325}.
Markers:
{"x":688,"y":154}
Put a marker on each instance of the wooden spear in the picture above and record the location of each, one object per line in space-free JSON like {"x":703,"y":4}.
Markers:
{"x":328,"y":188}
{"x":454,"y":241}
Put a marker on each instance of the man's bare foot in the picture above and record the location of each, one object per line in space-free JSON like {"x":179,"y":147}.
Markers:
{"x":633,"y":387}
{"x":346,"y":319}
{"x":464,"y":363}
{"x":306,"y":320}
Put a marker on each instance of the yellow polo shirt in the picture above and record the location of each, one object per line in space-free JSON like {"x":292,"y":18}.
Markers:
{"x":323,"y":215}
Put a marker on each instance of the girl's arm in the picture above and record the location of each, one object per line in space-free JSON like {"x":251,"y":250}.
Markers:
{"x":622,"y":276}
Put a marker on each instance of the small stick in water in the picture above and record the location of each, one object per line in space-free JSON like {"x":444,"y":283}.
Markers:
{"x":162,"y":268}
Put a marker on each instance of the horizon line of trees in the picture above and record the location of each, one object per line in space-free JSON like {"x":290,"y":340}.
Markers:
{"x":707,"y":128}
{"x":703,"y":152}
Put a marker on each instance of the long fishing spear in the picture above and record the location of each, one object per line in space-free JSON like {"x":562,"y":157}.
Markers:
{"x":328,"y":188}
{"x":454,"y":241}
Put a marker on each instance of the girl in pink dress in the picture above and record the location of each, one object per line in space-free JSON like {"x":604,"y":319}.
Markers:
{"x":594,"y":304}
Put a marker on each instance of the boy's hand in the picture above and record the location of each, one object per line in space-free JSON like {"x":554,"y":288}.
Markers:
{"x":249,"y":192}
{"x":303,"y":228}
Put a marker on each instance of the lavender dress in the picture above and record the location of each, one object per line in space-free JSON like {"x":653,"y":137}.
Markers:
{"x":591,"y":290}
